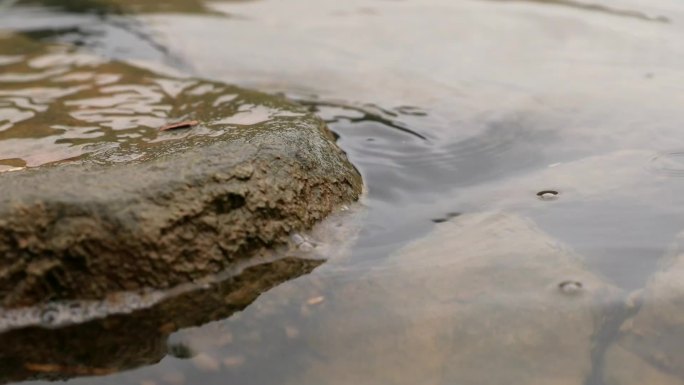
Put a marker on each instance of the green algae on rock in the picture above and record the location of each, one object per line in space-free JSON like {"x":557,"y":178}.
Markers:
{"x":99,"y":200}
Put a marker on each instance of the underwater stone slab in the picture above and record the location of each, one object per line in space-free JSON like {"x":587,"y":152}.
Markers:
{"x":648,"y":349}
{"x":127,"y":207}
{"x":477,"y":301}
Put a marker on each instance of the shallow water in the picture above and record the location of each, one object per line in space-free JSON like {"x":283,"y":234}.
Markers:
{"x":454,"y":111}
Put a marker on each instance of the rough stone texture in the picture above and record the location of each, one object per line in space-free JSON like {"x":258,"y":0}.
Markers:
{"x":477,"y":301}
{"x":163,"y":208}
{"x":128,"y":341}
{"x":648,"y":349}
{"x":82,"y":231}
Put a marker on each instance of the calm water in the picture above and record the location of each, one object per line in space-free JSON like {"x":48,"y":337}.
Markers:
{"x":457,"y":113}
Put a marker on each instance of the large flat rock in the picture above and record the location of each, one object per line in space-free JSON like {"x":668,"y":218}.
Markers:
{"x":99,"y":200}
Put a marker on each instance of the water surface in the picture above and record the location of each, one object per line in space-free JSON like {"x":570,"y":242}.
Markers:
{"x":456,"y":112}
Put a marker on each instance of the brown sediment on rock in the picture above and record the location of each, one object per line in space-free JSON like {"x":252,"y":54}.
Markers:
{"x":156,"y":209}
{"x":127,"y":341}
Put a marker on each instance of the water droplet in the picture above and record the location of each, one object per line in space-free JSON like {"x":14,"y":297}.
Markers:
{"x":49,"y":316}
{"x":570,"y":287}
{"x":548,"y":195}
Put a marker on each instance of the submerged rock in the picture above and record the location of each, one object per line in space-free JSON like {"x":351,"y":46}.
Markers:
{"x":648,"y":349}
{"x":99,"y":200}
{"x":483,"y":299}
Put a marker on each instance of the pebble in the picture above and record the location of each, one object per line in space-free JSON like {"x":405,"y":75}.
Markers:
{"x":233,"y":361}
{"x":315,"y":300}
{"x":206,"y":363}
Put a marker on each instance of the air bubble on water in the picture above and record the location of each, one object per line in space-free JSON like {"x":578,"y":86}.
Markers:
{"x":570,"y":287}
{"x":50,"y":316}
{"x":548,"y":195}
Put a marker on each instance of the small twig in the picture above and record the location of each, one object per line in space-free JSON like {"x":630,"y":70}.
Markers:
{"x":175,"y":126}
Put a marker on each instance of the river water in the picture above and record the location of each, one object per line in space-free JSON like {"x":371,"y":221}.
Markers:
{"x":457,"y":113}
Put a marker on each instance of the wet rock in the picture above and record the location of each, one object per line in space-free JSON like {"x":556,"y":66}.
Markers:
{"x":477,"y":301}
{"x":648,"y":349}
{"x":127,"y":341}
{"x":106,"y":202}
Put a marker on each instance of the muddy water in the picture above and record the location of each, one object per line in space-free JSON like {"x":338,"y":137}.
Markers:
{"x":458,"y":114}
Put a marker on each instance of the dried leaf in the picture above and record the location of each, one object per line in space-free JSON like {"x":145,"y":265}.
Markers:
{"x":175,"y":126}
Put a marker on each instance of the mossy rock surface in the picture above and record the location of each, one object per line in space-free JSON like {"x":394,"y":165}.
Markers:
{"x":101,"y":201}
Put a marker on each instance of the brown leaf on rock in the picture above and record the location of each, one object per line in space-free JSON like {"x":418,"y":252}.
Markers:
{"x":175,"y":126}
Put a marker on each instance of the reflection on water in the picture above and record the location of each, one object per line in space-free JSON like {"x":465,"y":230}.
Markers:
{"x":126,"y":341}
{"x":57,"y":103}
{"x":463,"y":117}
